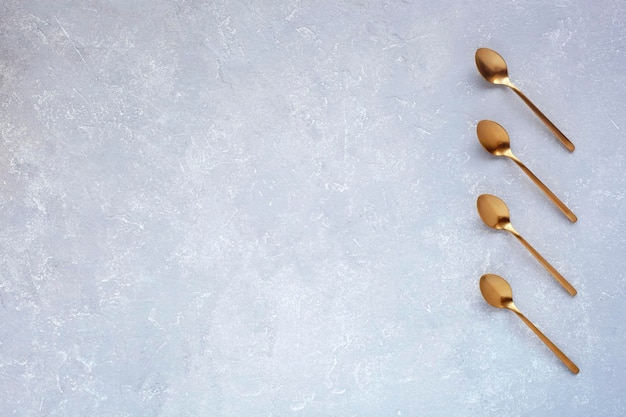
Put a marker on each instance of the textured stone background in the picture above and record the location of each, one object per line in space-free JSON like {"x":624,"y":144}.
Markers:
{"x":267,"y":208}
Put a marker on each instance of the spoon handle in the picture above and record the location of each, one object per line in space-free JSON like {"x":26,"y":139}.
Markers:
{"x":564,"y":140}
{"x":560,"y":278}
{"x":564,"y":209}
{"x":567,"y":361}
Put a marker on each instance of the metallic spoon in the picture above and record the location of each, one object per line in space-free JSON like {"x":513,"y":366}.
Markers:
{"x":497,"y":292}
{"x":493,"y":68}
{"x":496,"y":141}
{"x":495,"y":214}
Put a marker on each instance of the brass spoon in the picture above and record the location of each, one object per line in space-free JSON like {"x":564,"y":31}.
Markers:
{"x":495,"y":214}
{"x":497,"y":292}
{"x":493,"y":68}
{"x":496,"y":141}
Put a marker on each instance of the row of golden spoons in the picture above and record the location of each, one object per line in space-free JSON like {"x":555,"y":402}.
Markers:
{"x":495,"y":213}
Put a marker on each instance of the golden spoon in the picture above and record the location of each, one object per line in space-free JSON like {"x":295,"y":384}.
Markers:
{"x":496,"y":141}
{"x":493,"y":68}
{"x":497,"y":292}
{"x":495,"y":214}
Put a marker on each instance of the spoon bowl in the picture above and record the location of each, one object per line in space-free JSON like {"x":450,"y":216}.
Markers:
{"x":495,"y":214}
{"x":497,"y":292}
{"x":495,"y":139}
{"x":493,"y":68}
{"x":493,"y":211}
